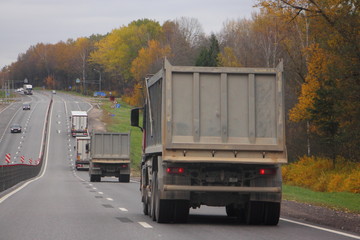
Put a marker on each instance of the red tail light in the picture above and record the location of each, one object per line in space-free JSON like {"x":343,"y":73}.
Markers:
{"x":175,"y":170}
{"x":267,"y":171}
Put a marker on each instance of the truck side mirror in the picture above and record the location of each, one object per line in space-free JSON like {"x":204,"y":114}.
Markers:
{"x":135,"y":118}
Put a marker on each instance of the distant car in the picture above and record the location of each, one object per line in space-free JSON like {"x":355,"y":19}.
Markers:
{"x":26,"y":106}
{"x":53,"y":91}
{"x":15,"y":128}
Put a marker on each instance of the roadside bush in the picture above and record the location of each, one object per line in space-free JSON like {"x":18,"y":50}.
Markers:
{"x":318,"y":174}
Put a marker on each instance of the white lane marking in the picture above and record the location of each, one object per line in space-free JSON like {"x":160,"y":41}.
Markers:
{"x":320,"y":228}
{"x":101,"y":193}
{"x":123,"y":209}
{"x":94,"y":188}
{"x":145,"y":225}
{"x":109,"y":199}
{"x":8,"y":125}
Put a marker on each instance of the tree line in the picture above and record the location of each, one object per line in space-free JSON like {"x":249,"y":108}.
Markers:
{"x":318,"y":40}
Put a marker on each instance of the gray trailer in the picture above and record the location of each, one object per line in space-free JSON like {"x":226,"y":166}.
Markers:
{"x":82,"y":149}
{"x":79,"y":123}
{"x":213,"y":136}
{"x":109,"y":156}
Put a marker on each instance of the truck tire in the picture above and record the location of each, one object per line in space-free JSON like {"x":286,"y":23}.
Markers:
{"x":255,"y":213}
{"x":181,"y":211}
{"x":145,"y":202}
{"x":162,"y":209}
{"x":145,"y":208}
{"x":153,"y":197}
{"x":272,"y":213}
{"x":124,"y":178}
{"x":98,"y":178}
{"x":231,"y":210}
{"x":92,"y":178}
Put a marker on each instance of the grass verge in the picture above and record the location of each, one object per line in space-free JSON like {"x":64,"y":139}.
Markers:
{"x":343,"y":201}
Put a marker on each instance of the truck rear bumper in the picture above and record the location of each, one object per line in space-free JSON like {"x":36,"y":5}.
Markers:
{"x":222,"y":189}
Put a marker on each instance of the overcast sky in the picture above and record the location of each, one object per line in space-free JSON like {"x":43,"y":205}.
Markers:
{"x":24,"y":23}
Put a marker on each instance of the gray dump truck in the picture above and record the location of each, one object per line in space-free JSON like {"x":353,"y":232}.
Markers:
{"x":213,"y":136}
{"x":109,"y":156}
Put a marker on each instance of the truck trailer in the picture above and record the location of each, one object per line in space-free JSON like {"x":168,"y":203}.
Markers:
{"x":109,"y":156}
{"x":213,"y":136}
{"x":79,"y":123}
{"x":82,"y":153}
{"x":27,"y":88}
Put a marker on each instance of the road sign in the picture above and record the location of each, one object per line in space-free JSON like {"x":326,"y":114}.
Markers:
{"x":22,"y":159}
{"x":102,"y":94}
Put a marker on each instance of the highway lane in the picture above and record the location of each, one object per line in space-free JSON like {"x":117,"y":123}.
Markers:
{"x":28,"y":142}
{"x":63,"y":204}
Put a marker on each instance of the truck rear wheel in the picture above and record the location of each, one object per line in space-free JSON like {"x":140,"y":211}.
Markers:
{"x":272,"y":213}
{"x":92,"y":178}
{"x":255,"y":213}
{"x":124,"y":178}
{"x":162,"y":210}
{"x":181,"y":211}
{"x":145,"y":202}
{"x":231,"y":210}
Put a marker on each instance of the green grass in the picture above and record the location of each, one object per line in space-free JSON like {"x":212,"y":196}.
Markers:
{"x":2,"y":94}
{"x":118,"y":120}
{"x":343,"y":201}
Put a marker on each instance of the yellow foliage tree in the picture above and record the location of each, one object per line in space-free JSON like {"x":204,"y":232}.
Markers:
{"x":148,"y":59}
{"x":317,"y":72}
{"x":227,"y":58}
{"x":117,"y":50}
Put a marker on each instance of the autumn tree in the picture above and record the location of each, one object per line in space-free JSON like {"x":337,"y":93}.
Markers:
{"x":184,"y":36}
{"x":335,"y":27}
{"x":149,"y":60}
{"x":227,"y":58}
{"x":118,"y":49}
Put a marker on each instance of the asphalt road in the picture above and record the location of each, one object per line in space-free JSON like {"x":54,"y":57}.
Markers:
{"x":28,"y":142}
{"x":63,"y":204}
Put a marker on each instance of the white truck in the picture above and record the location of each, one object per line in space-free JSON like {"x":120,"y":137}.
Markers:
{"x":79,"y":123}
{"x":109,"y":156}
{"x":27,"y":88}
{"x":213,"y":136}
{"x":82,"y":153}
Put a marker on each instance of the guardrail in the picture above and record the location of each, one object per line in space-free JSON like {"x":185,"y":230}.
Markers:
{"x":12,"y":174}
